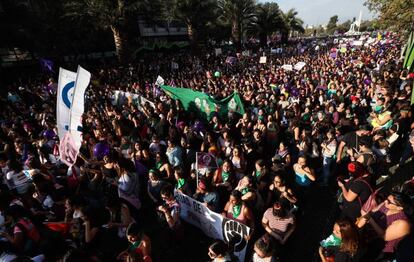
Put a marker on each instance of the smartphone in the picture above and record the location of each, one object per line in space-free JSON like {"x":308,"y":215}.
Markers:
{"x":340,"y":179}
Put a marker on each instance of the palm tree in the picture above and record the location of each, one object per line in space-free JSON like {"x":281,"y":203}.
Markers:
{"x":269,"y":19}
{"x":293,"y":24}
{"x":237,"y":13}
{"x":194,"y":13}
{"x":108,"y":14}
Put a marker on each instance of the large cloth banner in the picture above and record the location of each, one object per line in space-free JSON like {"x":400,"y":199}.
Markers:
{"x":78,"y":106}
{"x":120,"y":98}
{"x":66,"y":85}
{"x":214,"y":225}
{"x":205,"y":105}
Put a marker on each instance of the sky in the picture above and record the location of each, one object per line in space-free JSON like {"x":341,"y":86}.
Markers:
{"x":318,"y":12}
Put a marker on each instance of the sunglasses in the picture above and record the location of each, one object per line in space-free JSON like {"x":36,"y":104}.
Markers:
{"x":390,"y":202}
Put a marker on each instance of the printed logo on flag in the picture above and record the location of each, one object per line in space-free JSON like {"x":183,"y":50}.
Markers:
{"x":206,"y":160}
{"x":235,"y":233}
{"x":67,"y":93}
{"x":232,"y":105}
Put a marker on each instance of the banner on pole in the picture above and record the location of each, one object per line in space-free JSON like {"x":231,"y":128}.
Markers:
{"x":214,"y":225}
{"x":78,"y":106}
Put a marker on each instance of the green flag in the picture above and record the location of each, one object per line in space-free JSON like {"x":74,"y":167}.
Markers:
{"x":410,"y":60}
{"x":408,"y":48}
{"x":412,"y":95}
{"x":203,"y":104}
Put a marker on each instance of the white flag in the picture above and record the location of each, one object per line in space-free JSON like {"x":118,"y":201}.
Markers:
{"x":78,"y":106}
{"x":66,"y":85}
{"x":160,"y":81}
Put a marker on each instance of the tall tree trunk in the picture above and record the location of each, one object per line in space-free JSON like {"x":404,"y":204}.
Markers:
{"x":120,"y":44}
{"x":235,"y":33}
{"x":285,"y":36}
{"x":263,"y":39}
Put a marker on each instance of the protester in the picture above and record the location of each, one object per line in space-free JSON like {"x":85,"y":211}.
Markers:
{"x":349,"y":246}
{"x":278,"y":222}
{"x":218,"y":252}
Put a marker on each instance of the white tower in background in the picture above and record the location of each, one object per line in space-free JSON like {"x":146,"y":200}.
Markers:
{"x":355,"y":25}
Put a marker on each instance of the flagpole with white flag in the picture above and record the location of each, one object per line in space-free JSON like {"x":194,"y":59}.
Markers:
{"x":78,"y":106}
{"x":160,"y":81}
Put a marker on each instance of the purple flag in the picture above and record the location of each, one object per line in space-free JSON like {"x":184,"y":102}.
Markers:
{"x":47,"y":65}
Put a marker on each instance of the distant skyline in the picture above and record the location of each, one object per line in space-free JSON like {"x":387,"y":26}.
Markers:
{"x":318,"y":12}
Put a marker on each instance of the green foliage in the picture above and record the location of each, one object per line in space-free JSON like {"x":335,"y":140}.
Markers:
{"x":197,"y":15}
{"x":116,"y":15}
{"x":331,"y":27}
{"x":394,"y":14}
{"x":291,"y":24}
{"x":238,"y":14}
{"x":268,"y":20}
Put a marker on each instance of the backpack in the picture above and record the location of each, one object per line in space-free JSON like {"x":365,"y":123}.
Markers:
{"x":371,"y":202}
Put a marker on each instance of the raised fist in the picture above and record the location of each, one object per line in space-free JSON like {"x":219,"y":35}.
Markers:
{"x":234,"y":233}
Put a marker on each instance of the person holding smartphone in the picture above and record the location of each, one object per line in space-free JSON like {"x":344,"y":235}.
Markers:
{"x":355,"y":191}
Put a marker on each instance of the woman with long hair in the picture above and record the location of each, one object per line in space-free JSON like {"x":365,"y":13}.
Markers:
{"x":345,"y":243}
{"x":163,"y":166}
{"x":238,"y":161}
{"x":219,"y":252}
{"x":238,"y":210}
{"x":328,"y":151}
{"x":279,"y":189}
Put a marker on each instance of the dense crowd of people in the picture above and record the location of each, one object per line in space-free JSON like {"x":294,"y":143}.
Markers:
{"x":341,"y":123}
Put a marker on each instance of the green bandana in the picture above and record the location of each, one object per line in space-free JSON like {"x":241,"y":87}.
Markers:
{"x":245,"y":190}
{"x":135,"y":245}
{"x":237,"y":210}
{"x":225,"y":176}
{"x":158,"y":165}
{"x":332,"y":240}
{"x":257,"y":173}
{"x":180,"y":183}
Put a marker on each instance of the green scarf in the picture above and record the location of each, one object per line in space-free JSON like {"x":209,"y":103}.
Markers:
{"x":134,"y":245}
{"x":245,"y":190}
{"x":225,"y":176}
{"x":237,"y":210}
{"x":159,"y":164}
{"x":180,"y":183}
{"x":257,"y":173}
